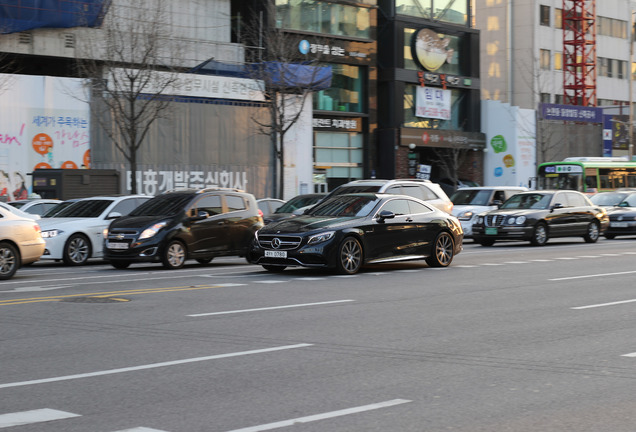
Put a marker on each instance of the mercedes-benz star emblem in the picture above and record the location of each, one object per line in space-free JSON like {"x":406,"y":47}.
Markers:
{"x":276,"y":243}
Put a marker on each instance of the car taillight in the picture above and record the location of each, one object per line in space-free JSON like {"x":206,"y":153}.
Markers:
{"x":260,"y":213}
{"x":37,"y":229}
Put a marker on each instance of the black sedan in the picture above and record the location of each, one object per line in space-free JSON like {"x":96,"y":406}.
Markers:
{"x":622,"y":217}
{"x":347,"y":231}
{"x":536,"y":216}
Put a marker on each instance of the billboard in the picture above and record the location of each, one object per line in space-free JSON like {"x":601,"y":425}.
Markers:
{"x":44,"y":123}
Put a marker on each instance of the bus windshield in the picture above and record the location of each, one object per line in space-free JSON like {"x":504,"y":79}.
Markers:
{"x":589,"y":175}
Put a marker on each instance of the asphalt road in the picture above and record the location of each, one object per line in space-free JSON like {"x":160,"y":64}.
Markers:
{"x":509,"y":338}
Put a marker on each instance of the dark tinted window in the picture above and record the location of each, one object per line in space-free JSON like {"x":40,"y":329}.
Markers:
{"x":298,"y":202}
{"x":355,"y":189}
{"x":163,"y":205}
{"x":479,"y":197}
{"x":85,"y":209}
{"x":347,"y":205}
{"x":211,"y":204}
{"x":528,"y":201}
{"x":235,"y":203}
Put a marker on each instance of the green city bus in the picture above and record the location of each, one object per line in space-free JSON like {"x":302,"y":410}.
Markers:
{"x":588,"y":175}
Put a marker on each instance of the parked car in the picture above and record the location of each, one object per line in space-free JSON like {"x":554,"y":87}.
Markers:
{"x":537,"y":216}
{"x":75,"y":234}
{"x":450,"y":187}
{"x":294,"y":207}
{"x":186,"y":224}
{"x":269,"y":205}
{"x":21,"y":242}
{"x":469,"y":202}
{"x":37,"y":206}
{"x":622,"y":217}
{"x":345,"y":232}
{"x":425,"y":190}
{"x":16,"y":211}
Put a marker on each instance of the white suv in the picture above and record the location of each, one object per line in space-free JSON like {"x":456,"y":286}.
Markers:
{"x":469,"y":202}
{"x":425,"y":190}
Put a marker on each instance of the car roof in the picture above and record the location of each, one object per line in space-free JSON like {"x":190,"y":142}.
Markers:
{"x":519,"y":188}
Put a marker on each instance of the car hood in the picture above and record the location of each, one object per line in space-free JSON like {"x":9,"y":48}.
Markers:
{"x":305,"y":223}
{"x":60,"y":223}
{"x":137,"y":221}
{"x":275,"y":217}
{"x":621,"y":211}
{"x":516,"y":212}
{"x":476,"y":209}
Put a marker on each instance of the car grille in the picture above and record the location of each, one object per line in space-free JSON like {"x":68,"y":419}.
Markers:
{"x":493,"y":220}
{"x":282,"y":242}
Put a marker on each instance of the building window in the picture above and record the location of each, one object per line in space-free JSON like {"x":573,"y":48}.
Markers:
{"x":558,"y":18}
{"x":545,"y":59}
{"x":602,"y":63}
{"x":634,"y":71}
{"x":546,"y":98}
{"x":346,"y":92}
{"x":323,"y":17}
{"x":340,"y":151}
{"x":610,"y":68}
{"x":452,"y":11}
{"x":558,"y":99}
{"x":558,"y":61}
{"x":544,"y":15}
{"x":621,"y":69}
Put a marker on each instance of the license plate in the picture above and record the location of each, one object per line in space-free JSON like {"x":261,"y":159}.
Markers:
{"x":275,"y":254}
{"x":618,"y":224}
{"x":491,"y":230}
{"x":112,"y":245}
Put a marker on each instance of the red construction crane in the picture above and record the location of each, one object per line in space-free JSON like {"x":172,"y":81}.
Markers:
{"x":579,"y":52}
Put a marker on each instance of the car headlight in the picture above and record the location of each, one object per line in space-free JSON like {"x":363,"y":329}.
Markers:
{"x":467,"y":215}
{"x":480,"y":220}
{"x":322,"y":237}
{"x":521,"y":220}
{"x":51,"y":233}
{"x":105,"y":233}
{"x":149,"y":232}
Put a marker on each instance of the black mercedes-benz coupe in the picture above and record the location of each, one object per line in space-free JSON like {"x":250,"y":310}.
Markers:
{"x":345,"y":232}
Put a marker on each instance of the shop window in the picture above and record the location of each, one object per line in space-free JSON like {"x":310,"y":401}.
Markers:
{"x":451,"y":11}
{"x":416,"y":8}
{"x":458,"y":102}
{"x":347,"y":91}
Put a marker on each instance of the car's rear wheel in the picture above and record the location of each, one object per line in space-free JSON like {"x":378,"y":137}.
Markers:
{"x":120,"y":264}
{"x":539,"y":235}
{"x":443,"y":251}
{"x":204,"y":261}
{"x":274,"y":268}
{"x":486,"y":242}
{"x":593,"y":232}
{"x":9,"y":260}
{"x":174,"y":255}
{"x":349,"y":256}
{"x":77,"y":250}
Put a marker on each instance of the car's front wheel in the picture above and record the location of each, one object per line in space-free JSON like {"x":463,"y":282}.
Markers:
{"x":174,"y":255}
{"x":9,"y":260}
{"x":539,"y":235}
{"x":349,"y":256}
{"x":204,"y":261}
{"x":274,"y":268}
{"x":443,"y":251}
{"x":77,"y":250}
{"x":593,"y":232}
{"x":120,"y":264}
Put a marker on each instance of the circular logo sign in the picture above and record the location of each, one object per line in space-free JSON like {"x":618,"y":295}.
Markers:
{"x":431,"y":50}
{"x":303,"y":47}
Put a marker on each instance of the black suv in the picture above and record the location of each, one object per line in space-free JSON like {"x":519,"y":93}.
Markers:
{"x":183,"y":224}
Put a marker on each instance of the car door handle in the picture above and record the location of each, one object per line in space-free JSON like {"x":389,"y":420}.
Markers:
{"x":409,"y":220}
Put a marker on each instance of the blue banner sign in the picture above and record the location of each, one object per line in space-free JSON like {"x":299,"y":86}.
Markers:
{"x":572,"y":113}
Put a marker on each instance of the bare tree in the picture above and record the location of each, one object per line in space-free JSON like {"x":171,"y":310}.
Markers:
{"x":130,"y":63}
{"x":288,"y":78}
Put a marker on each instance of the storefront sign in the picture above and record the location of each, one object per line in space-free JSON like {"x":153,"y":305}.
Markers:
{"x":430,"y":50}
{"x":442,"y":138}
{"x":433,"y":102}
{"x":573,"y":113}
{"x":335,"y":49}
{"x":337,"y":124}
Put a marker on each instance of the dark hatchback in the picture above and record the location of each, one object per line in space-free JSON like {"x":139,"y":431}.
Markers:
{"x":184,"y":224}
{"x":345,"y":232}
{"x":537,"y":216}
{"x":622,"y":217}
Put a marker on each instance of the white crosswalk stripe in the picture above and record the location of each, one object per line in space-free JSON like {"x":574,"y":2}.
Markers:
{"x":33,"y":416}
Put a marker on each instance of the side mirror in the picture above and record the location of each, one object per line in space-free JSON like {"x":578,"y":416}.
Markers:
{"x":623,"y":204}
{"x":557,"y":206}
{"x":497,"y":203}
{"x":385,"y":214}
{"x":113,"y":215}
{"x":201,"y":214}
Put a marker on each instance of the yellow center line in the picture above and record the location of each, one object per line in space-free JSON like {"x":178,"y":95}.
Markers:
{"x":105,"y":294}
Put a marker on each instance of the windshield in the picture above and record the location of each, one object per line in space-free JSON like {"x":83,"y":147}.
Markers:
{"x":528,"y":201}
{"x":85,"y":209}
{"x":471,"y":197}
{"x":608,"y":199}
{"x":58,"y":208}
{"x":162,"y":205}
{"x":298,"y":202}
{"x":629,"y":201}
{"x":346,"y":206}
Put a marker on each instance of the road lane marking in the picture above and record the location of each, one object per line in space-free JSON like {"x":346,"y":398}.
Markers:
{"x":629,"y":355}
{"x":592,"y":276}
{"x":114,"y":293}
{"x":566,"y":258}
{"x":33,"y":416}
{"x":269,"y":308}
{"x":323,"y":416}
{"x":517,"y":262}
{"x":140,"y":429}
{"x":269,"y":281}
{"x":604,"y":304}
{"x":151,"y":366}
